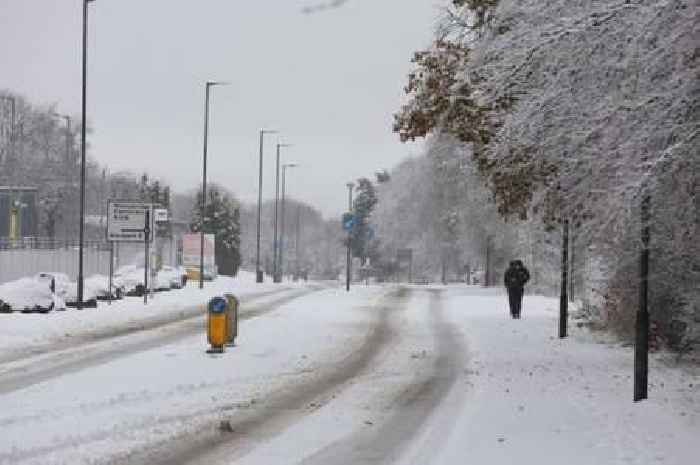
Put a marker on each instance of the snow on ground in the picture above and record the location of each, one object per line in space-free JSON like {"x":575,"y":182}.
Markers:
{"x":150,"y":396}
{"x":533,"y":398}
{"x":451,"y":380}
{"x":522,"y":396}
{"x":20,"y":331}
{"x":365,"y":403}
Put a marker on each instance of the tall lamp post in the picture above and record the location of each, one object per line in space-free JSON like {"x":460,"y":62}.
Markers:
{"x":275,"y":269}
{"x":281,"y":257}
{"x":81,"y":237}
{"x":203,"y":204}
{"x":348,"y":267}
{"x":258,"y":271}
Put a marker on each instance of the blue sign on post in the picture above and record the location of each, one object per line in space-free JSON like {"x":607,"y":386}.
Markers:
{"x":348,"y":221}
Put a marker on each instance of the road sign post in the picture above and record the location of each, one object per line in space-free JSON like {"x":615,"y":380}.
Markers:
{"x":349,"y":221}
{"x":132,"y":222}
{"x":111,"y":271}
{"x":146,"y":237}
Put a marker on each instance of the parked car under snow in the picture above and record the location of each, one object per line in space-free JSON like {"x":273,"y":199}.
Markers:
{"x":30,"y":295}
{"x":68,"y":290}
{"x":130,"y":278}
{"x":100,"y":284}
{"x":171,"y":278}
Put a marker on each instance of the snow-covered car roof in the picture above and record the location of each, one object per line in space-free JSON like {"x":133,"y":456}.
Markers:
{"x":27,"y":293}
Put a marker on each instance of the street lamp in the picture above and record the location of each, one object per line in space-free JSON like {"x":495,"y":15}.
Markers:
{"x":284,"y":171}
{"x":203,"y":204}
{"x":275,"y":272}
{"x":258,"y":271}
{"x":81,"y":240}
{"x":348,"y":268}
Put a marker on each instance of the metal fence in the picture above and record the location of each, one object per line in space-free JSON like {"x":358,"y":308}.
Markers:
{"x":30,"y":256}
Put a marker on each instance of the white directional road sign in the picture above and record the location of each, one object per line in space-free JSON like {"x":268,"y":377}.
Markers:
{"x":161,"y":215}
{"x":126,"y":221}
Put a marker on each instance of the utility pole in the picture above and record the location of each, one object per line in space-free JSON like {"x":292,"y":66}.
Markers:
{"x":348,"y":268}
{"x":563,"y":300}
{"x":641,"y":345}
{"x":203,"y":205}
{"x":258,"y":271}
{"x":81,"y":238}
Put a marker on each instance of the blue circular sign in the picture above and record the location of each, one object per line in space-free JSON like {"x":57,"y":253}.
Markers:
{"x":217,"y":305}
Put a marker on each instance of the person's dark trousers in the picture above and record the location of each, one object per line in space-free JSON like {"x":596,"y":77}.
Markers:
{"x":519,"y":307}
{"x":514,"y":296}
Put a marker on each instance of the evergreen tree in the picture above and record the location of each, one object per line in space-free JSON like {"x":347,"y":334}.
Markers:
{"x":364,"y":204}
{"x":221,"y":218}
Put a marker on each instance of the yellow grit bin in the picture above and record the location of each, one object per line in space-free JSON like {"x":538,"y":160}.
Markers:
{"x":217,"y":331}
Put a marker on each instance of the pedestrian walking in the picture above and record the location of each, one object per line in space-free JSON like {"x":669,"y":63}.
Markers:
{"x":515,"y":278}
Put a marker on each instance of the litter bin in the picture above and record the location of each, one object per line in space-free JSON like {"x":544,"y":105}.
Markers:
{"x":232,"y":319}
{"x":216,"y":324}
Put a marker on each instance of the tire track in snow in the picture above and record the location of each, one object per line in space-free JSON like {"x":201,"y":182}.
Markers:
{"x":62,"y":363}
{"x":278,"y":410}
{"x":413,"y":407}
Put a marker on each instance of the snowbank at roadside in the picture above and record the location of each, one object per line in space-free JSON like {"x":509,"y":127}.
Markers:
{"x":23,"y":331}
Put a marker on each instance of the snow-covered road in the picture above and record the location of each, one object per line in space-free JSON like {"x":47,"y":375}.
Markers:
{"x":396,"y":375}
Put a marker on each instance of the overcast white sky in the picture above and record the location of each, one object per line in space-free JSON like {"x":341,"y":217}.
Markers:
{"x":330,"y":81}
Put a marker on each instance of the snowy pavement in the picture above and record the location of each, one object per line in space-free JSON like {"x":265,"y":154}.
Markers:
{"x":419,"y":375}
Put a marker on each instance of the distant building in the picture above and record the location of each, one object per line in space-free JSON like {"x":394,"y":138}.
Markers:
{"x":19,"y":216}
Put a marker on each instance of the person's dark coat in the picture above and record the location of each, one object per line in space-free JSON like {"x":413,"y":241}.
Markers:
{"x":516,"y":275}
